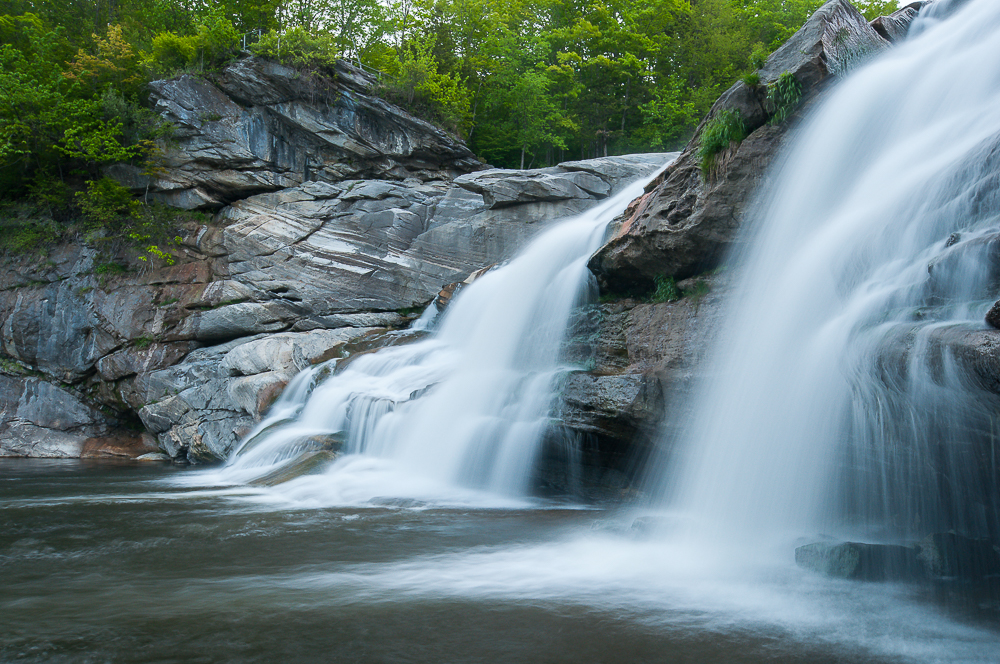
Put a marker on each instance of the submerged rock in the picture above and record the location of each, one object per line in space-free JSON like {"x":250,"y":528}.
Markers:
{"x":310,"y":463}
{"x":860,"y":561}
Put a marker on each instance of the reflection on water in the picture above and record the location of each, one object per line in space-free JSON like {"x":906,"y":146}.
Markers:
{"x":126,"y":564}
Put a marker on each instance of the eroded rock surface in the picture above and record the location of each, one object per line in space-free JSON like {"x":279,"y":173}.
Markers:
{"x":198,"y":350}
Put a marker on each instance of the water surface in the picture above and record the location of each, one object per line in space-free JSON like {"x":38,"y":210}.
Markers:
{"x":131,"y":563}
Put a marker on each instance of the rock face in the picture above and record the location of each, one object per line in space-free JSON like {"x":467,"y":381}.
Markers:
{"x":260,"y":126}
{"x":688,"y":221}
{"x":39,"y":419}
{"x":302,"y":267}
{"x":586,"y":180}
{"x":636,"y":362}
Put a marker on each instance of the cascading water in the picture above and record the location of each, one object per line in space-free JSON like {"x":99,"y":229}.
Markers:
{"x":469,"y":404}
{"x":845,"y":393}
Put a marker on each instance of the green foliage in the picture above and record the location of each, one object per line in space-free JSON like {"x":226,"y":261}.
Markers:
{"x":724,"y":129}
{"x":214,"y":42}
{"x":298,"y":47}
{"x":143,"y":342}
{"x":783,"y":97}
{"x":872,"y":9}
{"x":666,"y":289}
{"x":699,"y":289}
{"x":110,"y":268}
{"x":50,"y":193}
{"x":107,"y":203}
{"x":20,"y":236}
{"x":530,"y":82}
{"x":419,"y":87}
{"x":171,"y":52}
{"x":752,"y":79}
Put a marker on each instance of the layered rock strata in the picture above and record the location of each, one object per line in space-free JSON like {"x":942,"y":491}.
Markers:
{"x":97,"y":345}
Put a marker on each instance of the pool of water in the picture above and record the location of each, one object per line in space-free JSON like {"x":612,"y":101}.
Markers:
{"x":138,"y":563}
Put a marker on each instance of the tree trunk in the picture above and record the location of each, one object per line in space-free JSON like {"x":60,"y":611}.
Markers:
{"x":522,"y":158}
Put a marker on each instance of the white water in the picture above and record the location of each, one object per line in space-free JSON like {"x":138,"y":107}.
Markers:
{"x":466,"y":407}
{"x":815,"y":421}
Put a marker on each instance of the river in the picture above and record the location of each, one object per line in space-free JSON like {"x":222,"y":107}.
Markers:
{"x":105,"y":562}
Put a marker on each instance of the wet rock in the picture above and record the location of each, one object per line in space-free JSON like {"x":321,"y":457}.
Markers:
{"x":954,"y":555}
{"x":289,"y":352}
{"x":23,"y":439}
{"x":860,"y":561}
{"x":256,"y":393}
{"x":894,"y":27}
{"x":687,"y":221}
{"x":153,"y":456}
{"x":993,"y":315}
{"x":310,"y":463}
{"x":637,"y":361}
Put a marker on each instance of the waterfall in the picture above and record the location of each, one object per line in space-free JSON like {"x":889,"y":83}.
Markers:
{"x":850,"y":390}
{"x":469,"y":404}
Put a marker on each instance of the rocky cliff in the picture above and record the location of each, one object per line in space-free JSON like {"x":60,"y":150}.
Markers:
{"x":688,"y":220}
{"x":338,"y":216}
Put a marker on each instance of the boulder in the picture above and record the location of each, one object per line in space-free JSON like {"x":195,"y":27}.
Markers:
{"x":860,"y":561}
{"x":894,"y":27}
{"x":39,"y":419}
{"x":310,"y":463}
{"x":500,"y":188}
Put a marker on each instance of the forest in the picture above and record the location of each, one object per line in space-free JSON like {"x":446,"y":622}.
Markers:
{"x":525,"y":83}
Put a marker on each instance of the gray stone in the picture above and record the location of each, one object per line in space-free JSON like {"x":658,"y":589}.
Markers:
{"x":289,"y":352}
{"x":23,"y":439}
{"x":261,"y":126}
{"x":855,"y":560}
{"x":500,"y":187}
{"x":241,"y":319}
{"x":131,"y":361}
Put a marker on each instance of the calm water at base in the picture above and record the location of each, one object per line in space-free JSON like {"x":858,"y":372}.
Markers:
{"x":124,"y":563}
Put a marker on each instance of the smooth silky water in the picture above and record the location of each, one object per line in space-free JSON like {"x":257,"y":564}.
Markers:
{"x":423,"y":542}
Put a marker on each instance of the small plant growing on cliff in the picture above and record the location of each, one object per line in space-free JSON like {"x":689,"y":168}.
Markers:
{"x":666,"y":289}
{"x":758,"y":57}
{"x":783,"y":97}
{"x":752,"y":80}
{"x":105,"y":201}
{"x":726,"y":128}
